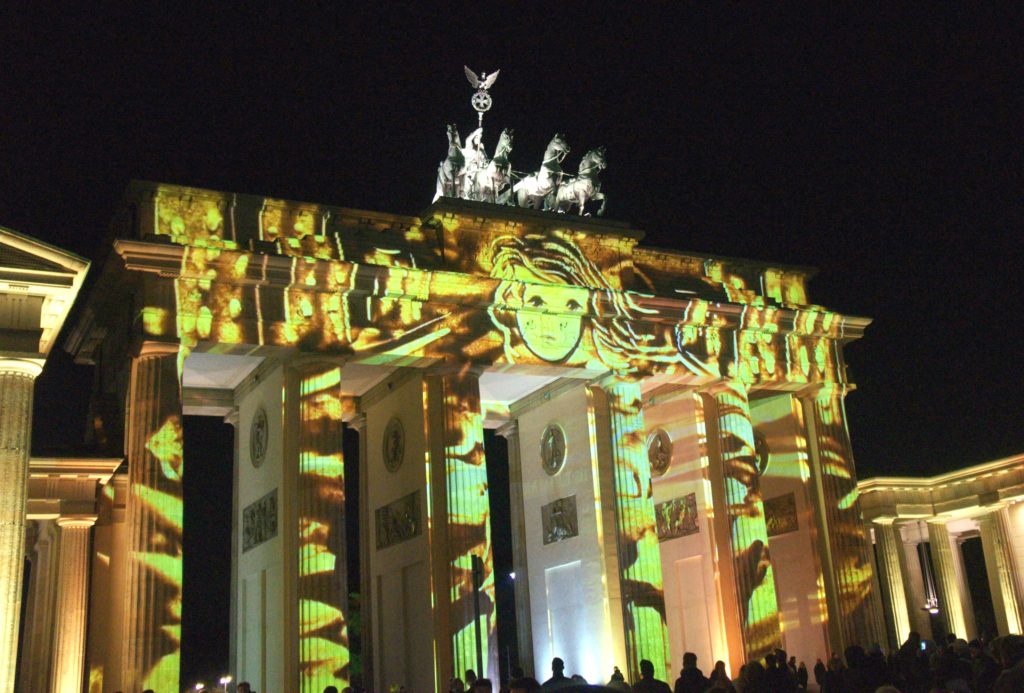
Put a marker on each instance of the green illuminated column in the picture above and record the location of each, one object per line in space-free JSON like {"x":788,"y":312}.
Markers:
{"x":643,"y":598}
{"x":323,"y":575}
{"x":151,"y":653}
{"x":854,"y":606}
{"x":17,"y":380}
{"x":1002,"y":572}
{"x":891,"y":569}
{"x":460,"y":523}
{"x":948,"y":569}
{"x":748,"y":535}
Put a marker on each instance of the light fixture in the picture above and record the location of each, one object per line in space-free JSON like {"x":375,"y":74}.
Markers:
{"x":931,"y":601}
{"x":200,"y":686}
{"x":512,"y":575}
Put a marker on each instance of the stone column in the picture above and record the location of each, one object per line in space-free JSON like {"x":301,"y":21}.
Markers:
{"x":234,"y":622}
{"x":754,"y":577}
{"x":946,"y":557}
{"x":891,"y":572}
{"x":358,"y":422}
{"x":854,"y":607}
{"x":35,"y":654}
{"x":323,"y":563}
{"x":640,"y":579}
{"x":1002,"y":572}
{"x":72,"y":604}
{"x":461,"y":523}
{"x":17,"y":379}
{"x":151,"y":652}
{"x":524,"y":628}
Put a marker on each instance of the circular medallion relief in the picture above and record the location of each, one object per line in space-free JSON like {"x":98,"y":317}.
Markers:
{"x":761,"y":451}
{"x":394,"y":444}
{"x":659,"y":451}
{"x":259,"y":437}
{"x":552,"y":449}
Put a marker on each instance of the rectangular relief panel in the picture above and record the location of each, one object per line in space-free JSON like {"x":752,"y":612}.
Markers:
{"x":398,"y":521}
{"x":259,"y":521}
{"x":559,"y":520}
{"x":677,"y":517}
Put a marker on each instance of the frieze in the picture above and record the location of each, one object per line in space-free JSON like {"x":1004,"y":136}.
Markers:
{"x":398,"y":521}
{"x":259,"y":521}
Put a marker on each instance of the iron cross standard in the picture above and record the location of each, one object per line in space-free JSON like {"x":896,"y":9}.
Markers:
{"x":481,"y":100}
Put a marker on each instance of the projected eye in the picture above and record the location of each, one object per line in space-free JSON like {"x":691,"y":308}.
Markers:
{"x":573,"y":304}
{"x":536,"y":301}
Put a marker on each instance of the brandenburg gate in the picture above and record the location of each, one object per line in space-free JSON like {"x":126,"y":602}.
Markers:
{"x":681,"y":471}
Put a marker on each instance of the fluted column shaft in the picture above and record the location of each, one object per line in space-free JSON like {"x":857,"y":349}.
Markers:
{"x":35,"y":654}
{"x":748,"y":533}
{"x":855,"y":609}
{"x":524,"y":628}
{"x":358,"y":422}
{"x":72,"y":605}
{"x":947,"y":577}
{"x":459,"y":471}
{"x":1002,"y":572}
{"x":640,"y":578}
{"x":891,"y":573}
{"x":323,"y":565}
{"x":17,"y":380}
{"x":151,"y":652}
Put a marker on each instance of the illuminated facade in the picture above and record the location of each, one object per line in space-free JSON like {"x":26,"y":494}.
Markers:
{"x":681,"y":472}
{"x":927,"y":590}
{"x":38,"y":285}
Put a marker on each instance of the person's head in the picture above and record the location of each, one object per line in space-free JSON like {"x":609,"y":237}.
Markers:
{"x":617,"y":675}
{"x":456,"y":685}
{"x":769,"y":661}
{"x":482,"y":686}
{"x":1010,"y":650}
{"x":517,"y":672}
{"x":646,"y":669}
{"x":689,"y":660}
{"x":244,"y":687}
{"x":557,"y":665}
{"x":524,"y":684}
{"x":720,"y":666}
{"x":470,"y":677}
{"x":331,"y":689}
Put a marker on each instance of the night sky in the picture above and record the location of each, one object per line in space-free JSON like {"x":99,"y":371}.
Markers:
{"x":882,"y":146}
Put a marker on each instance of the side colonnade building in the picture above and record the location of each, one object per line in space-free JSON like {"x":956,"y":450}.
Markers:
{"x":681,"y":475}
{"x":919,"y":526}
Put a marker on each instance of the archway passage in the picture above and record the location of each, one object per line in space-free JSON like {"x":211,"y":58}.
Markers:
{"x":976,"y":573}
{"x":206,"y":592}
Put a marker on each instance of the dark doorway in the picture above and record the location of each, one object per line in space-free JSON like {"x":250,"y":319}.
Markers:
{"x":496,"y":453}
{"x":206,"y":579}
{"x":978,"y":588}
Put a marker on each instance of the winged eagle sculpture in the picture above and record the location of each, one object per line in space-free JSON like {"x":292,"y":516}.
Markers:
{"x":484,"y":81}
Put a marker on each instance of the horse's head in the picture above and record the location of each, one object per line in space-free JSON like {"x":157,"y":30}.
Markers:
{"x":594,"y":159}
{"x":504,"y":142}
{"x":557,"y":148}
{"x":453,"y":135}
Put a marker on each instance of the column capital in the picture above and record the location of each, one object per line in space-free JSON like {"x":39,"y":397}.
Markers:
{"x":30,"y":368}
{"x":232,"y":417}
{"x":508,"y":429}
{"x":358,"y":422}
{"x":76,"y":521}
{"x":152,"y":349}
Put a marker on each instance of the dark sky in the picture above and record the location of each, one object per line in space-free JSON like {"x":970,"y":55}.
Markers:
{"x":876,"y":144}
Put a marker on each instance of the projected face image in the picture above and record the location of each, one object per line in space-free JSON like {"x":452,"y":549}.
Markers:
{"x":551,"y":337}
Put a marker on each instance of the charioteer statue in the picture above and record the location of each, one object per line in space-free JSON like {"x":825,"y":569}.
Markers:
{"x":469,"y":174}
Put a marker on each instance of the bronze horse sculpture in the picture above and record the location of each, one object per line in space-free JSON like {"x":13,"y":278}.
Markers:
{"x":585,"y":187}
{"x":536,"y":191}
{"x":449,"y":172}
{"x":492,"y":182}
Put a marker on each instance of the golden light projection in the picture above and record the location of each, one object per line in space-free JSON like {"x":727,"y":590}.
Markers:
{"x":850,"y":546}
{"x":642,"y":586}
{"x":755,"y":581}
{"x":467,"y":525}
{"x":475,"y":286}
{"x":323,"y":592}
{"x":152,"y":659}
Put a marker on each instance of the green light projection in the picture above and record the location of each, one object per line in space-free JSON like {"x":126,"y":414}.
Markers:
{"x":755,"y":581}
{"x":399,"y":291}
{"x":323,"y":593}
